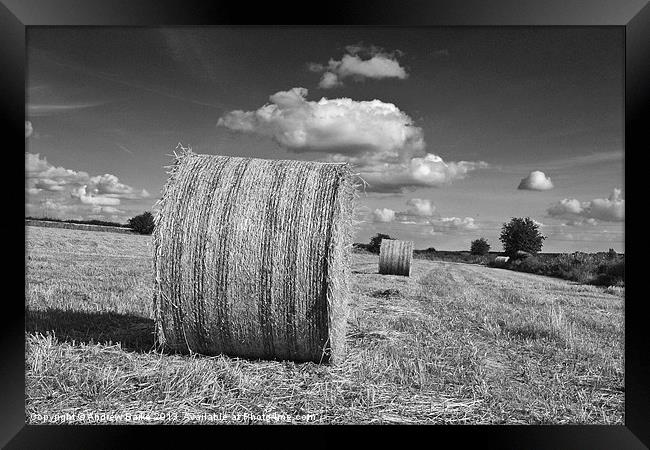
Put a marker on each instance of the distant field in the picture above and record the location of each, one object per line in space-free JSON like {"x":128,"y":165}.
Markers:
{"x":454,"y":343}
{"x":588,"y":268}
{"x":77,"y":226}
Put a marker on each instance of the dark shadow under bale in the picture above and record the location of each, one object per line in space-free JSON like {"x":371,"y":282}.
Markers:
{"x":386,"y":293}
{"x":134,"y":333}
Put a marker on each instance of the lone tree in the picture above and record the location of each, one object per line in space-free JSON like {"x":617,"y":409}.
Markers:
{"x":479,"y":247}
{"x":142,"y":223}
{"x":521,"y":235}
{"x":375,"y":242}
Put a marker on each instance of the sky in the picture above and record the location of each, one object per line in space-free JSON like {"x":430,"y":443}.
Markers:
{"x":453,"y":130}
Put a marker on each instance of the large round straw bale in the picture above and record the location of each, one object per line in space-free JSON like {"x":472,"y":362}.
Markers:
{"x":395,"y":257}
{"x":251,"y":258}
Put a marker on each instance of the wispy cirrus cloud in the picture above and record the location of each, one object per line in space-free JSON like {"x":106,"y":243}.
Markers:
{"x":124,"y":148}
{"x":587,"y":160}
{"x":582,"y":222}
{"x":40,"y":109}
{"x":169,"y":92}
{"x":567,"y":163}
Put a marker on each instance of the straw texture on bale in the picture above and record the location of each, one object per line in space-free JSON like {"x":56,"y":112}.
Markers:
{"x":251,"y":258}
{"x":395,"y":257}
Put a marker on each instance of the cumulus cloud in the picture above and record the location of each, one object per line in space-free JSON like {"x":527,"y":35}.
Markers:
{"x":34,"y":163}
{"x":74,"y":194}
{"x":359,"y":63}
{"x":329,"y":80}
{"x":29,"y":129}
{"x":378,"y":66}
{"x":420,"y":207}
{"x":48,"y":184}
{"x":92,"y":198}
{"x":342,"y":125}
{"x":565,"y":207}
{"x":427,"y":171}
{"x":111,"y":186}
{"x":611,"y":209}
{"x":378,"y":138}
{"x":452,"y":223}
{"x":383,"y":215}
{"x":41,"y":175}
{"x":536,"y":181}
{"x":420,"y":212}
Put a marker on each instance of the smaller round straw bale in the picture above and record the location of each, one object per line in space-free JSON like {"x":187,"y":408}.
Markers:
{"x":501,"y":260}
{"x":395,"y":257}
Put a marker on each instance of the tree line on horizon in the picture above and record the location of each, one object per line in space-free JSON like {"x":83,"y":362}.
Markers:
{"x":142,"y":223}
{"x":520,"y":237}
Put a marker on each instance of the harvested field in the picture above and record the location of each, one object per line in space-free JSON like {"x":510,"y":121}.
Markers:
{"x":451,"y":344}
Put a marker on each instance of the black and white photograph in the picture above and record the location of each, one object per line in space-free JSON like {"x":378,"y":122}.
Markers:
{"x":325,"y":225}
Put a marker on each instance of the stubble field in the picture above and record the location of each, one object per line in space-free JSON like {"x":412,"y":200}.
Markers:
{"x":454,"y":344}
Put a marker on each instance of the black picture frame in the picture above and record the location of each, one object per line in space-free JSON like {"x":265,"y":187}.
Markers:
{"x":632,"y":15}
